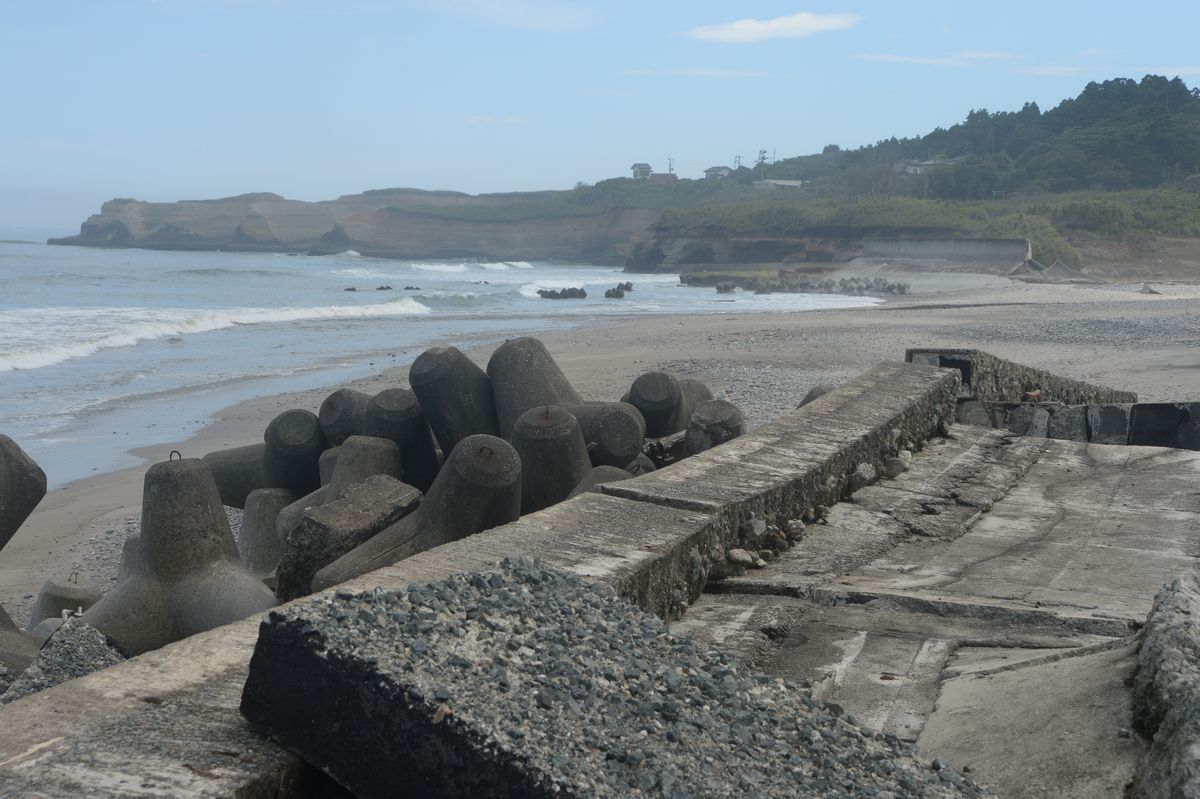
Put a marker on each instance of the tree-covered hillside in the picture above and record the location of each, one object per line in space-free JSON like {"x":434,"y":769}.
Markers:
{"x":1119,"y":134}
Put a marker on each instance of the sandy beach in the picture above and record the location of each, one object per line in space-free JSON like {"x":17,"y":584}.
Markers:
{"x":1109,"y":334}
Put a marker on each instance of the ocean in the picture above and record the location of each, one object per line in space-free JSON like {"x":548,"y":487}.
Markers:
{"x":104,"y":351}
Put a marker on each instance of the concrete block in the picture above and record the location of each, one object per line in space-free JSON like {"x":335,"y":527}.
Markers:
{"x":554,"y":456}
{"x":342,"y":414}
{"x":289,"y":517}
{"x":597,"y":475}
{"x":524,"y":376}
{"x":327,"y":463}
{"x":328,"y":531}
{"x":1108,"y":424}
{"x":478,"y":488}
{"x":455,"y":396}
{"x":711,"y":424}
{"x":695,"y":393}
{"x":526,"y":682}
{"x":396,"y":414}
{"x":1028,"y":420}
{"x":614,"y":431}
{"x":59,"y":595}
{"x":362,"y":456}
{"x":974,"y":412}
{"x":1068,"y":422}
{"x":22,"y":486}
{"x":237,"y":471}
{"x":191,"y":578}
{"x":294,"y":443}
{"x":258,"y":545}
{"x":659,"y":398}
{"x":1156,"y":424}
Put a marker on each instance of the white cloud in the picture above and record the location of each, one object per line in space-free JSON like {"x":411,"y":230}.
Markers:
{"x":478,"y":119}
{"x":697,"y":73}
{"x":793,"y":26}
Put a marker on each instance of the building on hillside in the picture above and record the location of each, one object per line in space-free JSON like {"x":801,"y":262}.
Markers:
{"x":663,"y":177}
{"x":641,"y":171}
{"x":913,"y":167}
{"x":717,"y":172}
{"x":772,"y":184}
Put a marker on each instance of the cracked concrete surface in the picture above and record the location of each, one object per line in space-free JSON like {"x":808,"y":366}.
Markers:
{"x":982,"y":603}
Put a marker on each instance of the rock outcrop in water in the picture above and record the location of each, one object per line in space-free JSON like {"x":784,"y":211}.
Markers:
{"x":387,"y":223}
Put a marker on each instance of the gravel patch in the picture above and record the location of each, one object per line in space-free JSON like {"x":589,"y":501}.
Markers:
{"x":526,"y":681}
{"x":74,"y":650}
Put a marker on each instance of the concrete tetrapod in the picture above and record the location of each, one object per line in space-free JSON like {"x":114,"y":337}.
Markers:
{"x":237,"y":471}
{"x":614,"y":431}
{"x":359,"y":458}
{"x":342,"y":414}
{"x":712,"y":423}
{"x":478,"y":488}
{"x":659,"y":398}
{"x":455,"y":394}
{"x":258,"y":544}
{"x":695,"y":394}
{"x":395,"y":413}
{"x":22,"y":486}
{"x":524,"y":375}
{"x":294,"y":443}
{"x":554,"y":456}
{"x":59,"y":595}
{"x":596,"y":476}
{"x":191,"y":579}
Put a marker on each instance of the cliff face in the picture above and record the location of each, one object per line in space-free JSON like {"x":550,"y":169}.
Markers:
{"x":391,"y":223}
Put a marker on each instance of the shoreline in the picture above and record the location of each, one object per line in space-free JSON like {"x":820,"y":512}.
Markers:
{"x":763,"y":361}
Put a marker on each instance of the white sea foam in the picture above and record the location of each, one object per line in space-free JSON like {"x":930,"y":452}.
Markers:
{"x":361,"y":272}
{"x":440,"y":267}
{"x":519,"y":264}
{"x":496,"y":267}
{"x":78,"y":332}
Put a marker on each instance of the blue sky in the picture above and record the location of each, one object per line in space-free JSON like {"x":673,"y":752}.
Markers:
{"x":190,"y":99}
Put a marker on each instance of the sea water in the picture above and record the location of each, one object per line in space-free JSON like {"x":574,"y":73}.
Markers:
{"x":103,"y":351}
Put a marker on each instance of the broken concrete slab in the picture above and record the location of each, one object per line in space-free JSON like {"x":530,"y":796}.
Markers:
{"x":467,"y":703}
{"x":744,"y":626}
{"x":1047,"y":730}
{"x":328,"y":531}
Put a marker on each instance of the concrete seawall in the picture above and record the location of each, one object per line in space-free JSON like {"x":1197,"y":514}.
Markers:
{"x":167,"y":723}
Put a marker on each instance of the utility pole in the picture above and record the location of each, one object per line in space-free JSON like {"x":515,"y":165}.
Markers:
{"x":670,"y":166}
{"x":737,"y":163}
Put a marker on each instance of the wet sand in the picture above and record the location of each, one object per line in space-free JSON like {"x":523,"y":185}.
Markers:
{"x":1110,"y":334}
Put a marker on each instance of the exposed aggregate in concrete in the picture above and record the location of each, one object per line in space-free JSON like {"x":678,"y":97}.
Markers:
{"x":584,"y":693}
{"x":74,"y":650}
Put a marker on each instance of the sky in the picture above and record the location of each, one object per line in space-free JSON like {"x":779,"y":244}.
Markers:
{"x":165,"y":100}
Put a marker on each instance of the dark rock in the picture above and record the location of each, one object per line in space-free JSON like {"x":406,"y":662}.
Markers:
{"x":817,"y":391}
